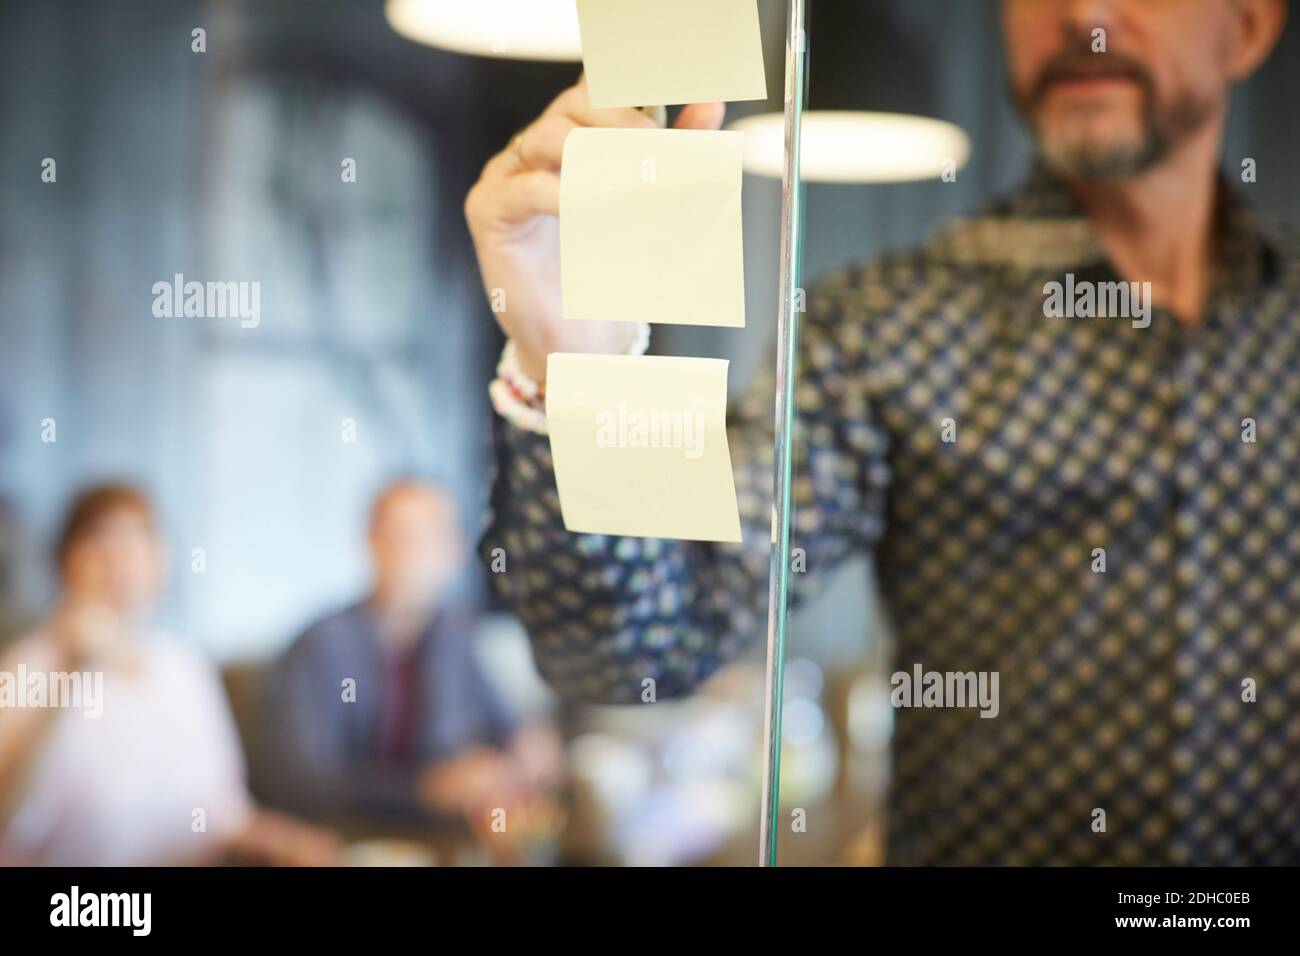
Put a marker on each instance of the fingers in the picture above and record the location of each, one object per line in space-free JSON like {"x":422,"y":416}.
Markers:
{"x":532,"y":193}
{"x":576,"y":105}
{"x":701,"y":116}
{"x":502,"y":164}
{"x":522,"y":180}
{"x":542,"y":144}
{"x":513,"y":199}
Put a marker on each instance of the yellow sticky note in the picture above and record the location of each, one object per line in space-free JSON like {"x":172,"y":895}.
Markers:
{"x":651,"y":227}
{"x":640,"y":446}
{"x":667,"y":52}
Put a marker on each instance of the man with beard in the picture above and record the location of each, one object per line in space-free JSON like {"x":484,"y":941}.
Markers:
{"x":1100,"y":511}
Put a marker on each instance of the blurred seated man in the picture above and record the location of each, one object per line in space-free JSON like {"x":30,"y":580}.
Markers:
{"x":380,"y":714}
{"x":116,"y":747}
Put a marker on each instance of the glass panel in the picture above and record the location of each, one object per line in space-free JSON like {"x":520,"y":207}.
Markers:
{"x":327,"y":160}
{"x":790,"y":297}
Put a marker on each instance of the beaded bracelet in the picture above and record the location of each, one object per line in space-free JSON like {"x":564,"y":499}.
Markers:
{"x":521,"y":401}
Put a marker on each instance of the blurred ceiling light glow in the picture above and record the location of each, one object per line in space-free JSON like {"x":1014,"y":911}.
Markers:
{"x":506,"y":29}
{"x":854,"y":147}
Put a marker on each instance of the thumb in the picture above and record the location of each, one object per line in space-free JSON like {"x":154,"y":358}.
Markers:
{"x":701,"y":116}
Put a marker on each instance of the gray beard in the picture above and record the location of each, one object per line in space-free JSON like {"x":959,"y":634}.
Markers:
{"x":1163,"y":131}
{"x":1091,"y":162}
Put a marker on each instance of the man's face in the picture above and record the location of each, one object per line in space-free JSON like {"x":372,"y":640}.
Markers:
{"x":1111,"y":87}
{"x":415,"y":545}
{"x":120,"y":564}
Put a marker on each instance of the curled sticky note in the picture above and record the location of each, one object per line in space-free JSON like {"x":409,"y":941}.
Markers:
{"x":651,"y":227}
{"x":639,"y":445}
{"x":666,"y":52}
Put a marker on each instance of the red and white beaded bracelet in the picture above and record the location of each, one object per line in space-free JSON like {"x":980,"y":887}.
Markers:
{"x":521,"y":401}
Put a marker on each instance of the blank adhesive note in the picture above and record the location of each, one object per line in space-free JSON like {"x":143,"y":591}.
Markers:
{"x":640,"y":446}
{"x":668,"y":52}
{"x":651,"y":227}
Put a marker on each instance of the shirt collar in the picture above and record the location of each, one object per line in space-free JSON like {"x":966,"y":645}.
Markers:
{"x":1042,"y":227}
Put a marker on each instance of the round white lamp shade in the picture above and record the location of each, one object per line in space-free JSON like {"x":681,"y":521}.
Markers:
{"x":506,"y":29}
{"x":853,"y":147}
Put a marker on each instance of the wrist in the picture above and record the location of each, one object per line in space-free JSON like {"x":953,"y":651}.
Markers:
{"x":518,"y":392}
{"x":531,"y":364}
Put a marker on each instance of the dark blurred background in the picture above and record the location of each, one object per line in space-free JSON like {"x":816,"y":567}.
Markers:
{"x":226,"y":165}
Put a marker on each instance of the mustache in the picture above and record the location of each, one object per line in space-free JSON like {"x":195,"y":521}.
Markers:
{"x":1076,"y":62}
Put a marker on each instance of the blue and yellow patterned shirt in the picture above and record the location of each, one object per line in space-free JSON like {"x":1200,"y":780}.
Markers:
{"x":1104,"y":514}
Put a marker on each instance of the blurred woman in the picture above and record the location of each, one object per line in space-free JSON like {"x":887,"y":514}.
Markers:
{"x":118,"y":747}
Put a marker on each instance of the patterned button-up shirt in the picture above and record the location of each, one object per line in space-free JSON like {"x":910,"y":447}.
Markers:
{"x":1104,"y":512}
